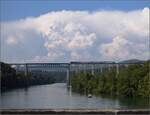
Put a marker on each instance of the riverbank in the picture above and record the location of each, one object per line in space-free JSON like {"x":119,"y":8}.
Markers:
{"x":74,"y":112}
{"x":11,"y":79}
{"x":131,"y":81}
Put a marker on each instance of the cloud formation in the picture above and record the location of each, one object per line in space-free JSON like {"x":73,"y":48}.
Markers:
{"x":11,"y":40}
{"x":78,"y":35}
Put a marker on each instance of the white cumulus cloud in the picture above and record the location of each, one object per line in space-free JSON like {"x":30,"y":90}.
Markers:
{"x":11,"y":40}
{"x":79,"y":35}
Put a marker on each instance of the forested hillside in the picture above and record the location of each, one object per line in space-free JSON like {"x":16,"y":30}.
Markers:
{"x":11,"y":79}
{"x":132,"y":81}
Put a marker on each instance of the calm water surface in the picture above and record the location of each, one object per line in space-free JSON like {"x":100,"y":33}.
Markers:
{"x":58,"y":96}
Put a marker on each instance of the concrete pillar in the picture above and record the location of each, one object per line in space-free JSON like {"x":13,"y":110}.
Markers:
{"x":68,"y":80}
{"x":126,"y":65}
{"x":101,"y":68}
{"x":109,"y":67}
{"x":84,"y":68}
{"x":92,"y":69}
{"x":71,"y":69}
{"x":26,"y":70}
{"x":76,"y":69}
{"x":17,"y":68}
{"x":117,"y":69}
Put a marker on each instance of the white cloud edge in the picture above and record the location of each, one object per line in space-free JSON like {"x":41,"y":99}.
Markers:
{"x":51,"y":26}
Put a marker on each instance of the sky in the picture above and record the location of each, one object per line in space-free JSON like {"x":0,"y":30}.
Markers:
{"x":81,"y":30}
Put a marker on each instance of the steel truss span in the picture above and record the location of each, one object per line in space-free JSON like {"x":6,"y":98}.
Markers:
{"x":71,"y":68}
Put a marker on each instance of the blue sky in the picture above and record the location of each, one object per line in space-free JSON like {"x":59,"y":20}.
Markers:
{"x":17,"y":9}
{"x":67,"y":30}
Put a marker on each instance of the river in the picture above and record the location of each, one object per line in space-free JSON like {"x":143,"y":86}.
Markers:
{"x":57,"y":96}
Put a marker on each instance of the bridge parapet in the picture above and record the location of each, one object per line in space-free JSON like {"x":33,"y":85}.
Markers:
{"x":74,"y":112}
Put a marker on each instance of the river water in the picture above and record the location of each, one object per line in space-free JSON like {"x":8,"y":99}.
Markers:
{"x":57,"y":96}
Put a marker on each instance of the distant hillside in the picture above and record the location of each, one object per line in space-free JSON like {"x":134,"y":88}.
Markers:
{"x":132,"y":61}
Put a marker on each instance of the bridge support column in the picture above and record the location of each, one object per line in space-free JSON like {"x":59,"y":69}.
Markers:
{"x":101,"y":69}
{"x":17,"y":68}
{"x":126,"y":65}
{"x":109,"y":67}
{"x":68,"y":77}
{"x":117,"y":69}
{"x":26,"y":70}
{"x":92,"y":69}
{"x":76,"y":71}
{"x":84,"y":68}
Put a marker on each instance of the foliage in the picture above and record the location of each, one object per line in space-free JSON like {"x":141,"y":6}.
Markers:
{"x":11,"y":79}
{"x":132,"y":81}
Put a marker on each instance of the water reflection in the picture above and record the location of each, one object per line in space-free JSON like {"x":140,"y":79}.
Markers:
{"x":59,"y":96}
{"x":69,"y":90}
{"x":134,"y":103}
